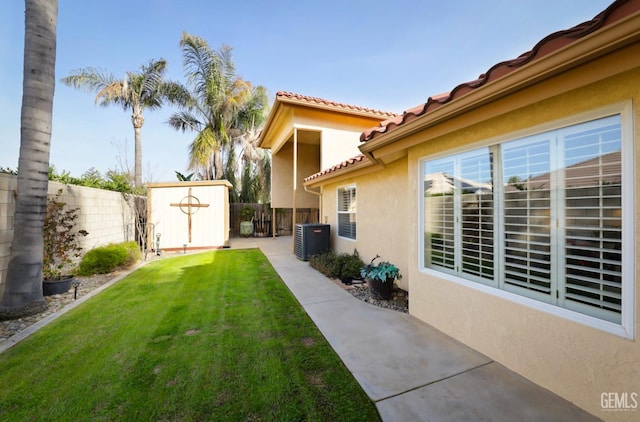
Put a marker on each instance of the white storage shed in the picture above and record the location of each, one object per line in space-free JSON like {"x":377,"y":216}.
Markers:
{"x":189,"y":215}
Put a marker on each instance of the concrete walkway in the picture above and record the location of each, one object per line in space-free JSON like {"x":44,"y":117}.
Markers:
{"x":411,"y":371}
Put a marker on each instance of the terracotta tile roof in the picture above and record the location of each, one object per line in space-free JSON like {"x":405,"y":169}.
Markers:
{"x":347,"y":163}
{"x":283,"y":95}
{"x":617,"y":10}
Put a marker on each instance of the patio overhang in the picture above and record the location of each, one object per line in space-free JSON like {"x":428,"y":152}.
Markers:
{"x":305,"y":134}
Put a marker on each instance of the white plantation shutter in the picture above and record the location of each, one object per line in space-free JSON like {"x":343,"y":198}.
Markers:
{"x":459,"y":214}
{"x":592,"y":204}
{"x":476,"y":204}
{"x":552,"y":230}
{"x":347,"y":212}
{"x":526,"y":169}
{"x":439,"y":210}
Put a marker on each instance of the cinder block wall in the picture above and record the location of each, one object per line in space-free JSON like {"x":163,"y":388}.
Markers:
{"x":106,"y":215}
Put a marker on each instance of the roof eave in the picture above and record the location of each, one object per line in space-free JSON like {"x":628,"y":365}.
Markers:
{"x":338,"y":173}
{"x":334,"y":109}
{"x":610,"y":38}
{"x":281,"y":101}
{"x":267,"y":126}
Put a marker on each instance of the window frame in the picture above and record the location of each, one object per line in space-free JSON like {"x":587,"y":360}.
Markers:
{"x":626,"y":327}
{"x":353,"y":187}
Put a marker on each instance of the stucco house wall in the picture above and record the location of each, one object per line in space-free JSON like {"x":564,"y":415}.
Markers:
{"x":324,"y":133}
{"x":576,"y":361}
{"x":339,"y":133}
{"x":382,"y":216}
{"x":576,"y":356}
{"x":282,"y":176}
{"x":343,"y":144}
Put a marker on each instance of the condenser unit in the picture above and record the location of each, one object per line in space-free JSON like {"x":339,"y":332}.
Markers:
{"x":311,"y":239}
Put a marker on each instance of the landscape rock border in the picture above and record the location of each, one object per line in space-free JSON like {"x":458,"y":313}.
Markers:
{"x":398,"y":302}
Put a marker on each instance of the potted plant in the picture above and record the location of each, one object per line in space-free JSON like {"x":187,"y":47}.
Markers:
{"x":61,"y":245}
{"x":380,"y":278}
{"x":246,"y":225}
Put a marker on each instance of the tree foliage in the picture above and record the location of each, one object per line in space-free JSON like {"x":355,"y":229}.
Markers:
{"x":112,"y":180}
{"x":224,"y":111}
{"x":184,"y":178}
{"x":61,"y":237}
{"x":136,"y":92}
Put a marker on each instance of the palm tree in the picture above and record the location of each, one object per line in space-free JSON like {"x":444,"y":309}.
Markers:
{"x":218,"y":95}
{"x":256,"y":161}
{"x":23,"y":290}
{"x":136,"y":92}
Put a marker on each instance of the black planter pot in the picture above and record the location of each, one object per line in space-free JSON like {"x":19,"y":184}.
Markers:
{"x":56,"y":287}
{"x":380,"y":289}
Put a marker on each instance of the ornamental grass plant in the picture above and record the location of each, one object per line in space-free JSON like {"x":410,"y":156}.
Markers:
{"x":212,"y":336}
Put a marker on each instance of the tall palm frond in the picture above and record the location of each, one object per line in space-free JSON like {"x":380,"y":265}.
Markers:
{"x":92,"y":79}
{"x":200,"y":149}
{"x":137,"y":91}
{"x":222,"y":102}
{"x":183,"y":120}
{"x":176,"y":93}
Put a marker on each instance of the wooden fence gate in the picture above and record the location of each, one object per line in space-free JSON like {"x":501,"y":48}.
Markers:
{"x":263,"y":215}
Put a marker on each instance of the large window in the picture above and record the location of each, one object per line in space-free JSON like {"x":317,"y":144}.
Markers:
{"x":539,"y":216}
{"x":347,"y":212}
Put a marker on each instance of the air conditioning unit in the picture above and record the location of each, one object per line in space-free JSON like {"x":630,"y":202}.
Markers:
{"x":311,"y":239}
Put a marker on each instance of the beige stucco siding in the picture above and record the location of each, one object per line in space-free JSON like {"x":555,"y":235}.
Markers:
{"x":325,"y":134}
{"x":308,"y":164}
{"x":382,"y":216}
{"x":282,"y":176}
{"x":339,"y":133}
{"x":337,"y":146}
{"x":573,"y":360}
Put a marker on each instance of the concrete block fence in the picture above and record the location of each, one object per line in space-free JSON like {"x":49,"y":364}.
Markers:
{"x":106,"y":215}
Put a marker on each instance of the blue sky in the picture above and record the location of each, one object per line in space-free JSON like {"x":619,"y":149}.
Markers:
{"x":378,"y":54}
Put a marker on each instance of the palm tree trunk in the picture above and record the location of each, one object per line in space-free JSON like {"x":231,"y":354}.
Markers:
{"x":217,"y":164}
{"x":137,"y":121}
{"x":23,"y":290}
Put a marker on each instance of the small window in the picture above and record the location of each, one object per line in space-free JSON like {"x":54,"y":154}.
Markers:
{"x":347,"y":212}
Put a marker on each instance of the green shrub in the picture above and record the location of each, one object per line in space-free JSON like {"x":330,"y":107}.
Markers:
{"x":324,"y":263}
{"x":105,"y":259}
{"x":343,"y":266}
{"x":349,"y":266}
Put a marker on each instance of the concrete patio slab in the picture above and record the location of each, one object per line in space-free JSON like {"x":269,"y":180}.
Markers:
{"x":488,"y":393}
{"x":308,"y":289}
{"x":387,"y":351}
{"x":412,"y":371}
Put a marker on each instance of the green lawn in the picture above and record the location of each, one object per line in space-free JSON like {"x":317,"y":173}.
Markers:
{"x":213,"y":336}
